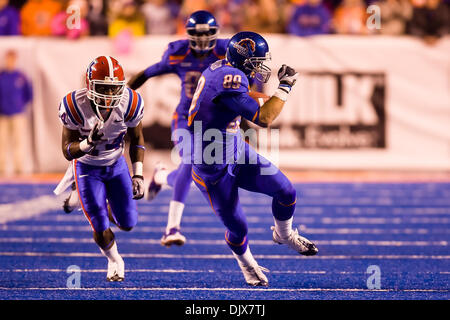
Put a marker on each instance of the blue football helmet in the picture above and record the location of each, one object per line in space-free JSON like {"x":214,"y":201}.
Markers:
{"x":202,"y":30}
{"x":247,"y":51}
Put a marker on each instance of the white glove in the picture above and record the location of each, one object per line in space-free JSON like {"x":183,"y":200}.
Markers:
{"x":287,"y":76}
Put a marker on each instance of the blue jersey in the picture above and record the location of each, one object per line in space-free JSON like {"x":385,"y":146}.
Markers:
{"x":219,"y":102}
{"x":180,"y":60}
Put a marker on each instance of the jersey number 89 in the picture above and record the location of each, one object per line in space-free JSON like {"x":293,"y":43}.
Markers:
{"x":230,"y":81}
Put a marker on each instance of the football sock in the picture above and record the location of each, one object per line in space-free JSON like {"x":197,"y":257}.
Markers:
{"x":283,"y":227}
{"x":112,"y":253}
{"x":175,"y":212}
{"x":246,"y":258}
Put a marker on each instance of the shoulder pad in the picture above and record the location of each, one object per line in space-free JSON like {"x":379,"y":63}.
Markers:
{"x":221,"y":48}
{"x":178,"y":50}
{"x":72,"y":109}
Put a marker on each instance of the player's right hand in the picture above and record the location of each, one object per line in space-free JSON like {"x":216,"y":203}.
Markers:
{"x":138,"y":187}
{"x":287,"y":76}
{"x":95,"y":136}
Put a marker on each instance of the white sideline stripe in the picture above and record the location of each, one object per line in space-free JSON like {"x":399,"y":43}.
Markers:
{"x":302,"y":229}
{"x":227,"y":289}
{"x":211,"y":271}
{"x":221,"y":242}
{"x":306,"y":209}
{"x":218,"y":256}
{"x":160,"y":271}
{"x":30,"y":208}
{"x":269,"y":219}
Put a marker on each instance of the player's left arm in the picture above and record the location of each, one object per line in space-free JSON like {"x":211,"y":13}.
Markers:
{"x":137,"y":151}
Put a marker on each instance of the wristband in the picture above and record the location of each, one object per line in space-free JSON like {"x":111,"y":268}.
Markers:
{"x":68,"y":151}
{"x":138,"y":168}
{"x":85,"y":146}
{"x":281,"y":94}
{"x":140,"y":147}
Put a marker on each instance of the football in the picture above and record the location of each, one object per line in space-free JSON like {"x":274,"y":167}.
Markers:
{"x":260,"y":97}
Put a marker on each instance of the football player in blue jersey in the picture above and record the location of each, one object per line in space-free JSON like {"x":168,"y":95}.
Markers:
{"x":187,"y":59}
{"x":226,"y":163}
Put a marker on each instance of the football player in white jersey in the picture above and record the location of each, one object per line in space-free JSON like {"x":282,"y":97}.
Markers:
{"x":95,"y":120}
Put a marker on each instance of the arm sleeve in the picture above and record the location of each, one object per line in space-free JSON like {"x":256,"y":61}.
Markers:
{"x":161,"y":67}
{"x":242,"y":104}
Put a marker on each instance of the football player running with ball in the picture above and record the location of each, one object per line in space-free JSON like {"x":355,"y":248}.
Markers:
{"x":187,"y":59}
{"x":95,"y":120}
{"x":221,"y":98}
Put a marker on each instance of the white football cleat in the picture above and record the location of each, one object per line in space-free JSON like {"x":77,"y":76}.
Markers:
{"x":173,"y":237}
{"x":254,"y":275}
{"x":154,"y":188}
{"x":116,"y":271}
{"x":296,"y":242}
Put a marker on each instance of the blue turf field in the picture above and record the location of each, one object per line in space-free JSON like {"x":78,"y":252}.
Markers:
{"x":401,"y":228}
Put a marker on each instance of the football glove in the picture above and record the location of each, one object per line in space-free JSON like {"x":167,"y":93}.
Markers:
{"x":95,"y":136}
{"x":138,"y":187}
{"x":287,"y":76}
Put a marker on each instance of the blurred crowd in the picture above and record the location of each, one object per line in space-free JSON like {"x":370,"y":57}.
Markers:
{"x":76,"y":18}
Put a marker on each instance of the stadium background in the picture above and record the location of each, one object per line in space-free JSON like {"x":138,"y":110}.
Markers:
{"x":371,"y":110}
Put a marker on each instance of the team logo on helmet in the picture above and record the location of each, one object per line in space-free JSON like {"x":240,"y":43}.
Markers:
{"x":245,"y":47}
{"x":89,"y":69}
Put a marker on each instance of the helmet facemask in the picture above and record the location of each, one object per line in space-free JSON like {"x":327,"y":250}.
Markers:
{"x":105,"y":94}
{"x":202,"y":38}
{"x":255,"y":68}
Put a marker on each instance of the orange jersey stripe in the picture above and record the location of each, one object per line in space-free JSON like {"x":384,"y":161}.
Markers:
{"x":74,"y":112}
{"x":191,"y":118}
{"x":133,"y":106}
{"x":203,"y":184}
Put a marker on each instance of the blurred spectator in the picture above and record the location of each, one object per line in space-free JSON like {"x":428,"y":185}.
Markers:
{"x":71,"y":22}
{"x":188,"y":7}
{"x":9,"y":19}
{"x":158,"y":17}
{"x":127,"y":19}
{"x":37,"y":16}
{"x":229,"y":15}
{"x":350,"y":17}
{"x":262,"y":16}
{"x":96,"y":17}
{"x":395,"y":15}
{"x":15,"y":93}
{"x":430,"y":21}
{"x":309,"y":19}
{"x":18,"y":4}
